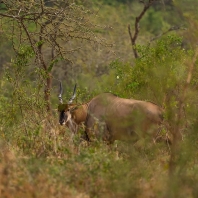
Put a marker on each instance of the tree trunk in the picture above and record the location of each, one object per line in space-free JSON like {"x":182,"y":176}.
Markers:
{"x":47,"y":92}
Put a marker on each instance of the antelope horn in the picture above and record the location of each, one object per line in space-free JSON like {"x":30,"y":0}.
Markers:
{"x":60,"y":93}
{"x":73,"y":96}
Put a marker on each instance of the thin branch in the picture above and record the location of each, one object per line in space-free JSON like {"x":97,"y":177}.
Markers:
{"x":28,"y":35}
{"x":173,"y":28}
{"x":133,"y":37}
{"x":133,"y":42}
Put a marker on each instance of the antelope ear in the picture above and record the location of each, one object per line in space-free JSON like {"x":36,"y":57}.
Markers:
{"x":62,"y":107}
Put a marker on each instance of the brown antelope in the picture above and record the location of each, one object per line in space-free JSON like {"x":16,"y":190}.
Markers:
{"x":71,"y":115}
{"x":112,"y":118}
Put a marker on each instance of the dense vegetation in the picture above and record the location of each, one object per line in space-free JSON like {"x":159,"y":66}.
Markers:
{"x":88,"y":43}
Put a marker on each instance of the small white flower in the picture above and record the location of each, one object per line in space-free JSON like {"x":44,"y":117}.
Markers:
{"x":118,"y":77}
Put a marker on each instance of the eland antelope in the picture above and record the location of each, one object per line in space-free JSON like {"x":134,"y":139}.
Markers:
{"x":110,"y":117}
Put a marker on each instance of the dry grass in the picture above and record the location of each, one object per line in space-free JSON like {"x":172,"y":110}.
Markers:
{"x":78,"y":170}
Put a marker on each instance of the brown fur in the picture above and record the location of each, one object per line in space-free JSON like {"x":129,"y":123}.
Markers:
{"x":113,"y":118}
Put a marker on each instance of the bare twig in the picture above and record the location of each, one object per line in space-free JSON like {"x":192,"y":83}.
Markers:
{"x":173,"y":28}
{"x":133,"y":37}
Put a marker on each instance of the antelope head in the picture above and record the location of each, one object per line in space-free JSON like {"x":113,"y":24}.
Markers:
{"x":65,"y":109}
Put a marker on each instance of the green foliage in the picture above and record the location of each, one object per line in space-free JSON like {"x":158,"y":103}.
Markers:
{"x":23,"y":98}
{"x":160,"y":69}
{"x":161,"y":66}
